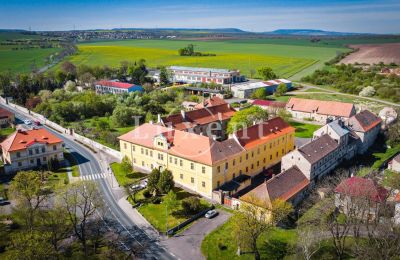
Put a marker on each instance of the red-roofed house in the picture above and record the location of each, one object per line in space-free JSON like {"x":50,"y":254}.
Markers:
{"x":269,"y":105}
{"x":6,"y":117}
{"x":318,"y":110}
{"x":360,"y":197}
{"x":26,"y":149}
{"x":115,"y":87}
{"x":367,"y":126}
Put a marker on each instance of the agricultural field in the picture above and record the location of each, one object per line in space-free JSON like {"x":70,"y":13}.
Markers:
{"x":374,"y":54}
{"x":24,"y":56}
{"x":286,"y":59}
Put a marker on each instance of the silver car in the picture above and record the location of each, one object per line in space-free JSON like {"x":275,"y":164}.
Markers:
{"x":211,"y":213}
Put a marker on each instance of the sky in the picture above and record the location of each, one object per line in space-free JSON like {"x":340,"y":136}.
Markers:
{"x":363,"y":16}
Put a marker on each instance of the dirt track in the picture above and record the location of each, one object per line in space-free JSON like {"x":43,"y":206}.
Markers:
{"x":374,"y":53}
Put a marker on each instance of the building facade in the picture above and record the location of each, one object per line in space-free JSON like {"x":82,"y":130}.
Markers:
{"x":245,"y":90}
{"x":6,"y":118}
{"x":205,"y":75}
{"x":115,"y":87}
{"x":202,"y":164}
{"x":319,"y":111}
{"x":27,"y":149}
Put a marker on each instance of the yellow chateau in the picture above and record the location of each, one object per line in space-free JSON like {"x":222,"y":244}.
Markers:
{"x":202,"y":164}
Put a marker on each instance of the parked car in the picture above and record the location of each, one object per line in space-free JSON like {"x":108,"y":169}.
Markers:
{"x":37,"y":123}
{"x":211,"y":213}
{"x":140,"y":186}
{"x":27,"y":122}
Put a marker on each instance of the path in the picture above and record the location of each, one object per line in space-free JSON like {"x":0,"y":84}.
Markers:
{"x":325,"y":91}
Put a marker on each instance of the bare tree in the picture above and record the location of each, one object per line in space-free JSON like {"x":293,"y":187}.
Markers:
{"x":309,"y":241}
{"x":81,"y":200}
{"x":255,"y":217}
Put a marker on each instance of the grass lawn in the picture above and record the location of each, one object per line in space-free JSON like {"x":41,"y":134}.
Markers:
{"x":156,"y":213}
{"x":4,"y":132}
{"x":59,"y":178}
{"x":219,"y":244}
{"x":286,"y":59}
{"x":73,"y":164}
{"x":382,"y":157}
{"x":304,"y":130}
{"x":125,"y":178}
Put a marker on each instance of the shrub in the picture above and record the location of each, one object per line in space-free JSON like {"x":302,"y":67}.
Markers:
{"x":191,"y":205}
{"x":367,"y":92}
{"x":155,"y":200}
{"x":165,"y":182}
{"x":146,"y":193}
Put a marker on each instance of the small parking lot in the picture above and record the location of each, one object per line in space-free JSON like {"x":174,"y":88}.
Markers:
{"x":186,"y":245}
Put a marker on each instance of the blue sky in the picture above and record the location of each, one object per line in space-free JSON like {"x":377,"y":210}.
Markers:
{"x":369,"y":16}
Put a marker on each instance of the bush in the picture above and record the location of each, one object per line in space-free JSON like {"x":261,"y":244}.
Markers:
{"x":146,"y":193}
{"x":155,"y":200}
{"x":191,"y":205}
{"x":367,"y":92}
{"x":165,"y":182}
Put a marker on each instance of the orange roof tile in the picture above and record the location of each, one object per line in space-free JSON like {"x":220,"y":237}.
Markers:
{"x":210,"y":102}
{"x":333,"y":108}
{"x":22,"y":139}
{"x":262,"y":132}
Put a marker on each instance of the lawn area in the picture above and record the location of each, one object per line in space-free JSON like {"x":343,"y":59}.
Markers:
{"x":73,"y":164}
{"x":219,"y":244}
{"x":4,"y":132}
{"x":304,"y":130}
{"x":58,"y":178}
{"x":382,"y":157}
{"x":156,"y":213}
{"x":286,"y":59}
{"x":125,"y":178}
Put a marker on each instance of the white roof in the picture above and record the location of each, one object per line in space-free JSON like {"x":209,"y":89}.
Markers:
{"x":253,"y":85}
{"x":201,"y":69}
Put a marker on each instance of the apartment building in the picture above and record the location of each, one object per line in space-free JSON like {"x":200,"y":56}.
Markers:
{"x":27,"y":149}
{"x":203,"y":164}
{"x":205,"y":75}
{"x":115,"y":87}
{"x":319,"y":111}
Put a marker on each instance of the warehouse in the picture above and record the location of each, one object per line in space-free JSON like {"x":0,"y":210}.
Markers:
{"x":245,"y":90}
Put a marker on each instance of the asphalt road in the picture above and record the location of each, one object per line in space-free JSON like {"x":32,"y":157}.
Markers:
{"x":115,"y":218}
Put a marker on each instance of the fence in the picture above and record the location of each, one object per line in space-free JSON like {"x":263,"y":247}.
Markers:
{"x":59,"y":128}
{"x":175,"y":229}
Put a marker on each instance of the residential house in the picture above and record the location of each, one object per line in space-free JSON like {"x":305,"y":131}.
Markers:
{"x":394,"y":164}
{"x":318,"y":110}
{"x":367,"y":126}
{"x":203,"y":164}
{"x":360,"y":197}
{"x":290,"y":185}
{"x":6,"y":118}
{"x":210,"y":121}
{"x":27,"y":149}
{"x":315,"y":159}
{"x":210,"y":102}
{"x":115,"y":87}
{"x":205,"y":75}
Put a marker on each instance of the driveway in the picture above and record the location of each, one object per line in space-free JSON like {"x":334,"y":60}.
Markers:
{"x":186,"y":245}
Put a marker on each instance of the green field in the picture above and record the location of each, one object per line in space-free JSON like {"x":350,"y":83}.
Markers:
{"x":22,"y":60}
{"x":286,"y":59}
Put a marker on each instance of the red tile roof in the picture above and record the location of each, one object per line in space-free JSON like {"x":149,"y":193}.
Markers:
{"x":183,"y":144}
{"x":262,"y":132}
{"x":364,"y":121}
{"x":282,"y":186}
{"x":321,"y":107}
{"x":115,"y":84}
{"x":361,"y":187}
{"x":4,"y":113}
{"x":199,"y":117}
{"x":22,"y":139}
{"x":269,"y":103}
{"x":210,"y":102}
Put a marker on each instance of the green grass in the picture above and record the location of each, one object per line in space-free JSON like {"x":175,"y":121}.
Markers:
{"x":58,"y":178}
{"x":73,"y":164}
{"x":125,"y":178}
{"x":304,"y":130}
{"x":4,"y":132}
{"x":156,"y":213}
{"x":285,"y":59}
{"x":382,"y":157}
{"x":219,"y":244}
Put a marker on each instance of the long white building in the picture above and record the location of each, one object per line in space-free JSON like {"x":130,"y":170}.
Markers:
{"x":205,"y":75}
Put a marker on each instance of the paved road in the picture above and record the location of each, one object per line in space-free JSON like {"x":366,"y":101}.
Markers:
{"x":115,"y":217}
{"x":187,"y":244}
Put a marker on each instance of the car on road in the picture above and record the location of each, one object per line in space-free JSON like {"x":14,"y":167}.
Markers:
{"x":211,"y":214}
{"x":37,"y":123}
{"x":27,"y":122}
{"x":140,"y":186}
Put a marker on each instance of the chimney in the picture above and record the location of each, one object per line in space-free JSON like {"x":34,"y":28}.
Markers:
{"x":158,"y":118}
{"x":183,"y":114}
